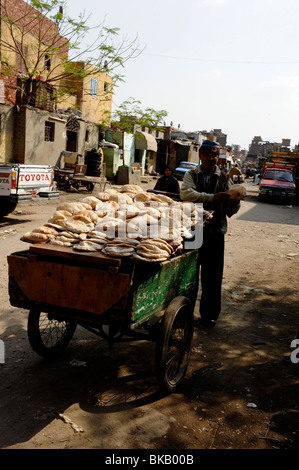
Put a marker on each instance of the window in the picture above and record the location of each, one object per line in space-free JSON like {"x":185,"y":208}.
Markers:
{"x":93,"y":86}
{"x":278,"y":175}
{"x":106,"y":87}
{"x":47,"y":62}
{"x":49,"y":131}
{"x":21,"y":52}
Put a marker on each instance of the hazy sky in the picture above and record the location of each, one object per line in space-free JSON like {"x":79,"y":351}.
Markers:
{"x":211,"y":64}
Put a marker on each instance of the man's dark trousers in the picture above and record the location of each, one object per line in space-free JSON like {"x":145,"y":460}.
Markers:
{"x":211,"y":259}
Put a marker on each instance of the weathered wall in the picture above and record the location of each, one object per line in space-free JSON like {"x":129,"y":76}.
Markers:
{"x":30,"y":145}
{"x":37,"y":150}
{"x":6,"y":134}
{"x":92,"y":140}
{"x":97,"y":107}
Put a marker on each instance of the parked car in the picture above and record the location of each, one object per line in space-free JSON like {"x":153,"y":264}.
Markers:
{"x":277,"y":181}
{"x":20,"y":182}
{"x":180,"y":171}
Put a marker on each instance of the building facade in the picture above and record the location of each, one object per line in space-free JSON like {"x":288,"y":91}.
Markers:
{"x":37,"y":120}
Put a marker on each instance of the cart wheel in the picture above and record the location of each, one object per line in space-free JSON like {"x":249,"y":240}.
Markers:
{"x":173,"y":347}
{"x":49,"y":337}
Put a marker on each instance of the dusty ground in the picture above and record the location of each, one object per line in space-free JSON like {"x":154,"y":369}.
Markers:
{"x":239,"y":392}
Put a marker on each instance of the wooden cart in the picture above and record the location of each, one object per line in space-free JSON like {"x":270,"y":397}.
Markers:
{"x":76,"y":179}
{"x":112,"y":297}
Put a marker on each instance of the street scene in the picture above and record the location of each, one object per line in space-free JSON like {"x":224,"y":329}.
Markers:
{"x":240,"y":389}
{"x":149,"y":227}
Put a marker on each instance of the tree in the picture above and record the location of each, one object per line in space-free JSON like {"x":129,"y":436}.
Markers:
{"x":47,"y":45}
{"x":129,"y":116}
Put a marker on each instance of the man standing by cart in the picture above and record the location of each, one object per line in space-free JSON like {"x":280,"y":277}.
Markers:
{"x":208,"y":185}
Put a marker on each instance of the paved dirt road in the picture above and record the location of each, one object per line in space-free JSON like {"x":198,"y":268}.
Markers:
{"x":238,"y":393}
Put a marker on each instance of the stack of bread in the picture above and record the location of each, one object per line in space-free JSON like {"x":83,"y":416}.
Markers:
{"x":125,"y":223}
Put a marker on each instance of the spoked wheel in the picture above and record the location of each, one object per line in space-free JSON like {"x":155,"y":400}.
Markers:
{"x":174,"y":341}
{"x":48,"y":336}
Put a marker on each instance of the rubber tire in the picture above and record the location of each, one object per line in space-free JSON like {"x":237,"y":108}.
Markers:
{"x":6,"y":206}
{"x":93,"y":173}
{"x":36,"y":339}
{"x":179,"y":316}
{"x":93,"y":159}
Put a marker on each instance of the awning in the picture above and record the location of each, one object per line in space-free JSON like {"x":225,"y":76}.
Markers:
{"x":183,"y":143}
{"x":145,"y":141}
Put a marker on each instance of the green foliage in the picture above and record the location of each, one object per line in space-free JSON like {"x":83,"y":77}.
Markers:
{"x":130,"y":115}
{"x":61,"y":42}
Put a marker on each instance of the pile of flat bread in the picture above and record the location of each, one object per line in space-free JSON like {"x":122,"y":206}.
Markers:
{"x":124,"y":223}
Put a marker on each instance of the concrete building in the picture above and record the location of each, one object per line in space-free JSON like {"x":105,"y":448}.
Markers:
{"x":260,"y":148}
{"x":217,"y":135}
{"x":35,"y":125}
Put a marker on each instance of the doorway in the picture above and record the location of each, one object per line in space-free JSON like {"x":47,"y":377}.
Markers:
{"x":71,"y":141}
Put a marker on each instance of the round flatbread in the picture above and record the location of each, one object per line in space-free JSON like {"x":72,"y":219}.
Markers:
{"x":62,"y":238}
{"x":92,"y":216}
{"x":103,"y":196}
{"x":56,"y":226}
{"x":156,"y":247}
{"x":148,"y":260}
{"x":91,"y":200}
{"x":123,"y":241}
{"x":142,"y":197}
{"x":120,"y":199}
{"x":37,"y":237}
{"x":87,"y":246}
{"x":60,"y":215}
{"x":118,"y":251}
{"x":46,"y":230}
{"x":77,"y":225}
{"x":131,"y":188}
{"x":61,"y":243}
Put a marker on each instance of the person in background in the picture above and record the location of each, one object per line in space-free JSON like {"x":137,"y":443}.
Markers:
{"x":235,"y":171}
{"x":208,"y":185}
{"x":168,"y":182}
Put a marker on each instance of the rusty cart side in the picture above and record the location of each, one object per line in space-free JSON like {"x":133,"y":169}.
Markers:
{"x":112,"y":297}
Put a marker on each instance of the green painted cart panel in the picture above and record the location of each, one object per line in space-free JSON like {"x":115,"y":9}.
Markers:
{"x":175,"y":277}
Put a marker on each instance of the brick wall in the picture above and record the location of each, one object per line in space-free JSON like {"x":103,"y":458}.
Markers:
{"x":9,"y":77}
{"x":38,"y":25}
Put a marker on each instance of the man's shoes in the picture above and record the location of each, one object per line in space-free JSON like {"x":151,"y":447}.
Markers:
{"x":207,"y":323}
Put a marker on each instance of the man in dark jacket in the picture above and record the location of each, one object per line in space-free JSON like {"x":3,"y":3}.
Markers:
{"x":168,"y":182}
{"x":208,"y":185}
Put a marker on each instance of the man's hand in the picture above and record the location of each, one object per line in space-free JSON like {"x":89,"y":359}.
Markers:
{"x":220,"y":197}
